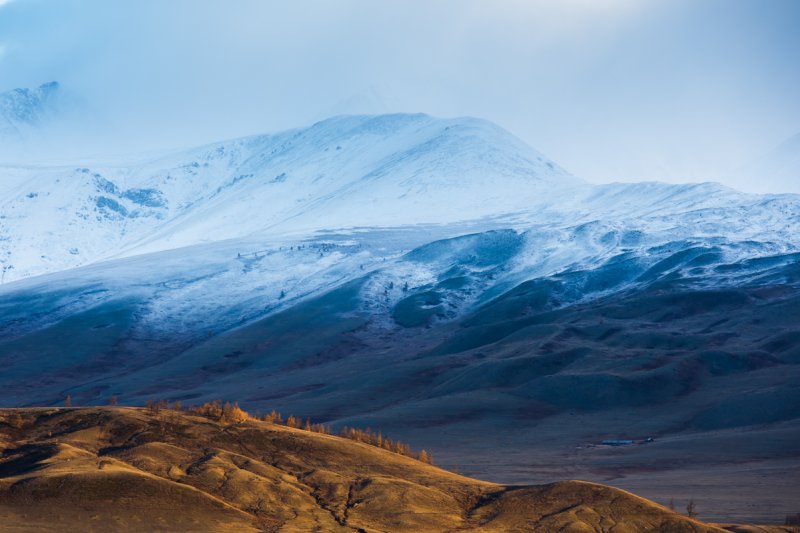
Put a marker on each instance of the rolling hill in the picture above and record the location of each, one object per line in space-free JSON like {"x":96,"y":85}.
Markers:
{"x":123,"y":469}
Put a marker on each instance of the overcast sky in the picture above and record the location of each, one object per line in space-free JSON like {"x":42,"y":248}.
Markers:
{"x":673,"y":90}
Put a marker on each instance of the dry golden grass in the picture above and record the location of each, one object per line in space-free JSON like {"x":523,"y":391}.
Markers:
{"x":156,"y":469}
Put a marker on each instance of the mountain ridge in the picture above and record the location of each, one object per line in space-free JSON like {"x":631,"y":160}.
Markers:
{"x":346,"y":171}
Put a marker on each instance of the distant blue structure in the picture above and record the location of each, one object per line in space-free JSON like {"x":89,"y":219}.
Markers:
{"x":626,"y":442}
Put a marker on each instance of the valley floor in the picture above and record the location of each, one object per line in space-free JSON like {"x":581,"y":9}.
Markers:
{"x":724,"y":487}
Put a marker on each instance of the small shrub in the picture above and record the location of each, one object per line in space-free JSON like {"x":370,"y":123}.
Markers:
{"x":232,"y":413}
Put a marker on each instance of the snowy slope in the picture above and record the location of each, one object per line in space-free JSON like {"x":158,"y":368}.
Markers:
{"x":343,"y":172}
{"x":351,"y":173}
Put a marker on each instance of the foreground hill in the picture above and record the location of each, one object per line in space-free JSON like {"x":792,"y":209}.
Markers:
{"x":114,"y":469}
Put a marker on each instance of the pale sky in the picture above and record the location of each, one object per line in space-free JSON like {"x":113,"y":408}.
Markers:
{"x":670,"y":90}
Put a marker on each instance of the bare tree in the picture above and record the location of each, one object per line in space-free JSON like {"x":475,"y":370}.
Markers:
{"x":691,"y":509}
{"x":154,"y":407}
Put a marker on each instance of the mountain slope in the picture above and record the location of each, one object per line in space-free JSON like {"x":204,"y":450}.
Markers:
{"x":412,"y":272}
{"x":122,"y":469}
{"x":340,"y":173}
{"x":691,"y":342}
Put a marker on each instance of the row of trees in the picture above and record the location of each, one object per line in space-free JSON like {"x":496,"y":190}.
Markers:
{"x":231,"y":413}
{"x":691,"y":507}
{"x":367,"y":436}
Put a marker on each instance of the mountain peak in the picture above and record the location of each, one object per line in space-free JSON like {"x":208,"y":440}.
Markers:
{"x":343,"y":172}
{"x":24,"y":110}
{"x":27,"y":106}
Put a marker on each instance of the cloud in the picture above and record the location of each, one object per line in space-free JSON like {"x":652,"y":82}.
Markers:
{"x":611,"y":89}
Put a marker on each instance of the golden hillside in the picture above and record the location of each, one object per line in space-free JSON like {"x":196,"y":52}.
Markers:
{"x":132,"y":469}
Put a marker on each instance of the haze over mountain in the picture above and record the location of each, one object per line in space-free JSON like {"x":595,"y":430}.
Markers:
{"x":44,"y":123}
{"x":672,"y":90}
{"x":22,"y":111}
{"x":779,"y":168}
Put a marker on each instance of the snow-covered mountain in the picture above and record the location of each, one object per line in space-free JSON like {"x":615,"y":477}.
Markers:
{"x":404,"y":271}
{"x":25,"y":111}
{"x":344,"y":172}
{"x":216,"y":237}
{"x":341,"y":174}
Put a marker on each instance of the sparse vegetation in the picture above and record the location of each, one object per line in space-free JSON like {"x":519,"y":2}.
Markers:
{"x":233,"y":414}
{"x":209,"y":410}
{"x":156,"y":406}
{"x":273,"y":417}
